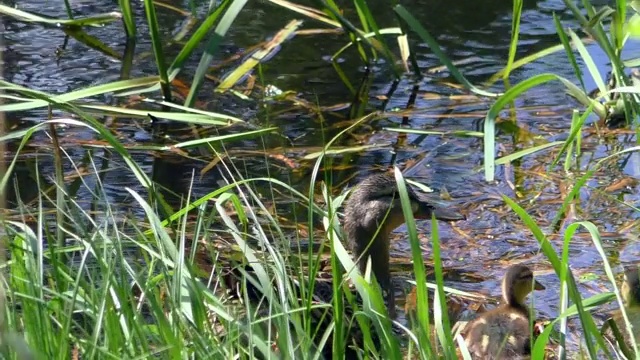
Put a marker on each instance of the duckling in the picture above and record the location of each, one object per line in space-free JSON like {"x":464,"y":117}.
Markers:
{"x":504,"y":333}
{"x":630,"y":291}
{"x":375,"y":204}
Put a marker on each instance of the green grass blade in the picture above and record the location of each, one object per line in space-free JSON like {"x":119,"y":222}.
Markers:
{"x":588,"y":60}
{"x":30,"y":104}
{"x":128,"y":19}
{"x":515,"y":31}
{"x":422,"y":311}
{"x":522,"y":153}
{"x":214,"y":41}
{"x":433,"y":45}
{"x":95,"y":20}
{"x":566,"y":44}
{"x":256,"y":58}
{"x":440,"y":313}
{"x":158,"y":51}
{"x":494,"y":111}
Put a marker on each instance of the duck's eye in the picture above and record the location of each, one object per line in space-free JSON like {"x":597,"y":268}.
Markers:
{"x":526,"y":277}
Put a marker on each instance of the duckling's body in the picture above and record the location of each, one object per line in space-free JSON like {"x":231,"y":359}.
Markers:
{"x":372,"y":212}
{"x":504,"y":333}
{"x":630,"y":291}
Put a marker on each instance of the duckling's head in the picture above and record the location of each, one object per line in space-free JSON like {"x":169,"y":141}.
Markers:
{"x":517,"y":284}
{"x":631,"y":286}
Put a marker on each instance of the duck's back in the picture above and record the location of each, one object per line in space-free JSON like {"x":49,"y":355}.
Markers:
{"x":502,"y":333}
{"x":634,"y":319}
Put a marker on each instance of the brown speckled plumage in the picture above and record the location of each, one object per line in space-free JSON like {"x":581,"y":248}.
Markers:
{"x":630,"y":291}
{"x":372,"y":212}
{"x":504,"y":333}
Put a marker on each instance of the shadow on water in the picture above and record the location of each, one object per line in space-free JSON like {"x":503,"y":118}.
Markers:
{"x":475,"y":31}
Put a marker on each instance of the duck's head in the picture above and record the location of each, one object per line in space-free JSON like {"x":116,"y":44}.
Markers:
{"x":517,"y":284}
{"x":630,"y":288}
{"x":376,"y":201}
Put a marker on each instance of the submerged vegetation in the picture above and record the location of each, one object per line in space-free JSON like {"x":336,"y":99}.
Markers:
{"x":237,"y":272}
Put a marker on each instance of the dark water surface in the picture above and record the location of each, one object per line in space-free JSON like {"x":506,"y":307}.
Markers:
{"x":477,"y":31}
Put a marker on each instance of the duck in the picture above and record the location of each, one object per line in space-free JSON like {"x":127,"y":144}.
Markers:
{"x":630,"y":291}
{"x":372,"y":212}
{"x":504,"y":332}
{"x":373,"y":203}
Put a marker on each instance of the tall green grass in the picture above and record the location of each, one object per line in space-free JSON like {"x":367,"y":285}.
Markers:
{"x":115,"y":285}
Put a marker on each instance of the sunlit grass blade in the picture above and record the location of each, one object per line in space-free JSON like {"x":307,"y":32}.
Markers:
{"x":422,"y":301}
{"x":93,"y":42}
{"x":515,"y":32}
{"x":370,"y":35}
{"x":440,"y":314}
{"x":369,"y":24}
{"x":575,"y":130}
{"x":214,"y":41}
{"x":597,"y":242}
{"x":566,"y":44}
{"x":189,"y":47}
{"x":196,"y":39}
{"x":588,"y":60}
{"x":94,"y":20}
{"x":194,"y":117}
{"x":128,"y":19}
{"x":460,"y":133}
{"x":31,"y":103}
{"x":489,"y":121}
{"x":577,"y":187}
{"x":307,"y":11}
{"x":93,"y":124}
{"x":524,"y":61}
{"x":158,"y":51}
{"x":522,"y":153}
{"x":259,"y":56}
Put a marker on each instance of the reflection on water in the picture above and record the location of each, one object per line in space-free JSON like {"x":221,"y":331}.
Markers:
{"x":476,"y":31}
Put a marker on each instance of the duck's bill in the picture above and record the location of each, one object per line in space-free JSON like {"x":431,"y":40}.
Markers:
{"x":447,"y":215}
{"x":428,"y":206}
{"x":538,"y":286}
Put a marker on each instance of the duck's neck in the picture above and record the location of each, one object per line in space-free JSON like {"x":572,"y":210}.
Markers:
{"x":374,"y":244}
{"x":511,"y":300}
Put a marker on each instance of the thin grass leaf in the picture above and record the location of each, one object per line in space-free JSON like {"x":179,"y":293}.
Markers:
{"x":214,"y":41}
{"x":71,"y":96}
{"x":422,"y":310}
{"x":588,"y":60}
{"x":460,"y":133}
{"x":522,"y":153}
{"x":597,"y":242}
{"x":259,"y":56}
{"x":440,"y":314}
{"x":433,"y":45}
{"x":127,"y":18}
{"x":566,"y":44}
{"x":573,"y":134}
{"x":158,"y":51}
{"x":515,"y":31}
{"x":93,"y":42}
{"x":494,"y":111}
{"x":95,"y":20}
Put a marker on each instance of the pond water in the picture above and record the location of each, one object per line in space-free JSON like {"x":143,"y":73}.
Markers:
{"x":477,"y":31}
